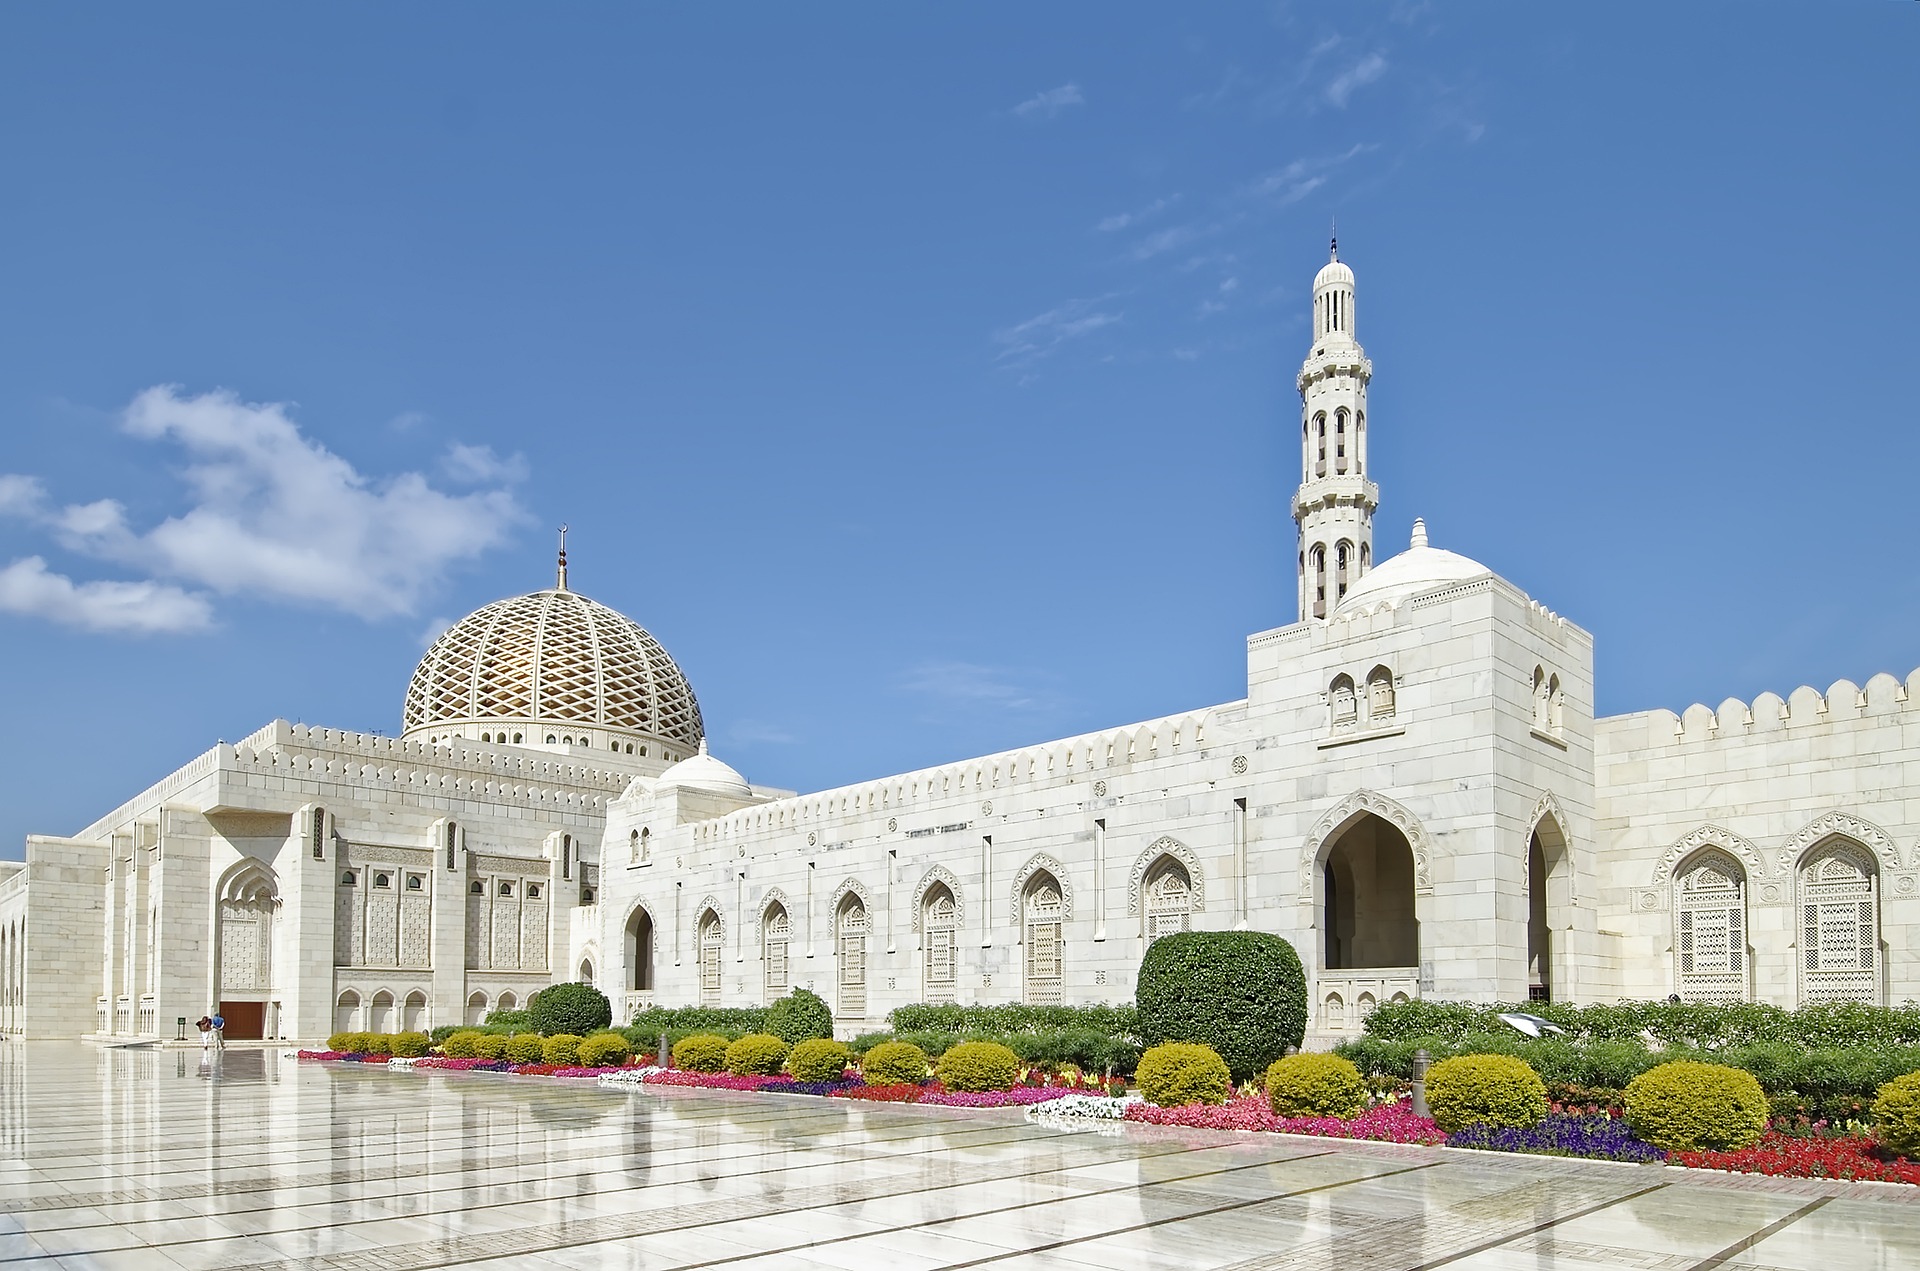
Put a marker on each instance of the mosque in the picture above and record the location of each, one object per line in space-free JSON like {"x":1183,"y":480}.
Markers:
{"x":1414,"y":791}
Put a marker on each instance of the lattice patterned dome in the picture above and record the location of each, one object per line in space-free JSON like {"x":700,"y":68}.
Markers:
{"x":557,"y":669}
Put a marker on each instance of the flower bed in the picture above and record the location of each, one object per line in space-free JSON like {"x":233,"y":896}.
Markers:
{"x":1790,"y":1156}
{"x":1387,"y":1123}
{"x":1018,"y":1097}
{"x":1595,"y":1137}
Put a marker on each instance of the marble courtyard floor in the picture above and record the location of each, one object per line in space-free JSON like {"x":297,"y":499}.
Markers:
{"x":146,"y":1159}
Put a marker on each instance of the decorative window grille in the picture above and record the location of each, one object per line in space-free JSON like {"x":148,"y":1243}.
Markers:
{"x":1839,"y":927}
{"x":853,"y":959}
{"x":1169,"y":901}
{"x":319,"y":834}
{"x":711,"y":938}
{"x":942,"y":964}
{"x":777,"y":937}
{"x":1710,"y":929}
{"x":1044,"y":956}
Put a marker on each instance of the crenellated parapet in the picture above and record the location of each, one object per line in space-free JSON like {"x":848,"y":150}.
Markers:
{"x":1805,"y":708}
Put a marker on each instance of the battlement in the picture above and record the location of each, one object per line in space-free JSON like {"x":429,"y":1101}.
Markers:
{"x":1844,"y":702}
{"x":1062,"y":761}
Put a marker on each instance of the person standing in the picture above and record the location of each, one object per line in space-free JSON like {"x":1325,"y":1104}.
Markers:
{"x":219,"y":1023}
{"x":205,"y":1025}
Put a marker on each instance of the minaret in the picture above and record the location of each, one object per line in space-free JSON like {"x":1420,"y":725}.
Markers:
{"x":1334,"y":505}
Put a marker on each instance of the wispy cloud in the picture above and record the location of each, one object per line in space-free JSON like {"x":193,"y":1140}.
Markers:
{"x":969,"y":684}
{"x":1047,"y":104}
{"x":1039,"y":336}
{"x":29,"y":588}
{"x":1361,"y":73}
{"x":1166,"y":240}
{"x":754,"y":732}
{"x":478,"y":465}
{"x":1287,"y":186}
{"x":272,"y":514}
{"x":1121,"y":220}
{"x":434,"y":630}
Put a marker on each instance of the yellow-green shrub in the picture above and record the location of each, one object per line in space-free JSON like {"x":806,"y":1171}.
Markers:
{"x":819,"y":1059}
{"x":702,"y":1052}
{"x":490,"y":1046}
{"x":756,"y":1054}
{"x":1307,"y":1085}
{"x":526,"y":1048}
{"x":1896,"y":1115}
{"x":1173,"y":1074}
{"x":1685,"y":1106}
{"x":1496,"y":1090}
{"x":978,"y":1066}
{"x":461,"y":1045}
{"x":562,"y":1049}
{"x":375,"y":1044}
{"x":407,"y":1045}
{"x":345,"y":1043}
{"x":605,"y":1050}
{"x":894,"y":1063}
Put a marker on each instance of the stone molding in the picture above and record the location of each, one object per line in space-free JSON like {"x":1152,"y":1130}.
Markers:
{"x":1165,"y":845}
{"x":1352,"y":807}
{"x":1035,"y":864}
{"x":944,"y":876}
{"x":848,"y":887}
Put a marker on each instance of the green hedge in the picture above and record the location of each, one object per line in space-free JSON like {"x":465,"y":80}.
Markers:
{"x":1243,"y":993}
{"x":1000,"y":1021}
{"x":1690,"y":1025}
{"x":518,"y":1021}
{"x":1087,"y":1050}
{"x":679,"y":1022}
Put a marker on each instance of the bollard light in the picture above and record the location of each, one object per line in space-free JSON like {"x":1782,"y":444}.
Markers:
{"x":666,"y":1055}
{"x":1421,"y":1059}
{"x":180,"y":1028}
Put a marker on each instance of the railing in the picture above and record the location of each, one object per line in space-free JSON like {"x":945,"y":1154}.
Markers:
{"x":100,"y":1015}
{"x":637,"y":1001}
{"x":123,"y":1015}
{"x":147,"y":1005}
{"x":1346,"y":997}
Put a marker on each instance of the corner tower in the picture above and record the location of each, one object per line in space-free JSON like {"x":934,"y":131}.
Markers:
{"x":1335,"y":503}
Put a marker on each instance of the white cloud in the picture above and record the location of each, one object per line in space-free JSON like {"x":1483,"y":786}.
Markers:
{"x":137,"y":608}
{"x":1300,"y":178}
{"x":1163,"y":241}
{"x":434,"y":630}
{"x":1363,"y":72}
{"x":478,"y":465}
{"x":753,"y":732}
{"x":968,"y":683}
{"x":1228,"y":285}
{"x":273,"y":514}
{"x":1038,"y":337}
{"x":20,"y":495}
{"x":1210,"y":307}
{"x":1120,"y":220}
{"x":1051,"y":102}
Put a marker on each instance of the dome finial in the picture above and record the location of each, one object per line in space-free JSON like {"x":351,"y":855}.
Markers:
{"x":1333,"y":238}
{"x":563,"y":558}
{"x":1419,"y":533}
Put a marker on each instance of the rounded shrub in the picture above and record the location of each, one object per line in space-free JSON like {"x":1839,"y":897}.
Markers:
{"x":342,"y":1042}
{"x":569,"y":1008}
{"x":1896,"y":1116}
{"x":819,"y":1059}
{"x":604,"y":1050}
{"x":798,"y":1017}
{"x":702,"y":1052}
{"x":756,"y":1054}
{"x":525,"y":1048}
{"x":460,"y":1045}
{"x":1492,"y":1090}
{"x":562,"y":1049}
{"x":1173,"y":1074}
{"x":376,"y":1044}
{"x":490,"y":1046}
{"x":407,"y":1045}
{"x":1685,"y":1106}
{"x":893,"y":1064}
{"x":979,"y":1066}
{"x":1241,"y":993}
{"x":1316,"y":1086}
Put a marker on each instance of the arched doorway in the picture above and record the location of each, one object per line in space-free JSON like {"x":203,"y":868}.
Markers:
{"x":1368,"y":918}
{"x":380,"y":1013}
{"x":413,"y":1015}
{"x":248,"y":899}
{"x":639,"y":941}
{"x":476,"y":1007}
{"x":851,"y":927}
{"x":1547,"y":896}
{"x":713,"y":937}
{"x":1045,"y":911}
{"x":346,"y":1012}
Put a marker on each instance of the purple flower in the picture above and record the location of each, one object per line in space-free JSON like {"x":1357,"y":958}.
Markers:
{"x":1596,"y":1137}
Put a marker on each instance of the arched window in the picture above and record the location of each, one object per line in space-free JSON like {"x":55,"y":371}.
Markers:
{"x":346,"y":1012}
{"x":633,"y":847}
{"x":1169,"y":899}
{"x":1553,"y":704}
{"x":712,"y":936}
{"x":413,"y":1015}
{"x":1320,"y":440}
{"x":776,"y":937}
{"x":1340,"y":440}
{"x":1342,"y":704}
{"x":1317,"y":558}
{"x":639,"y":941}
{"x":851,"y":923}
{"x":586,"y":972}
{"x":380,"y":1013}
{"x":1539,"y":697}
{"x":1839,"y":924}
{"x":1045,"y":911}
{"x":566,"y":856}
{"x":1343,"y":569}
{"x":939,"y":922}
{"x":1380,"y":698}
{"x":1710,"y":928}
{"x":476,"y":1007}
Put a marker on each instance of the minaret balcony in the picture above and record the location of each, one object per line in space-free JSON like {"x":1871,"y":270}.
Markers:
{"x":1349,"y":361}
{"x":1349,"y":489}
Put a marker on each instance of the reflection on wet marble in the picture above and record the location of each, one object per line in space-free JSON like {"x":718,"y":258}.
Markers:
{"x":151,"y":1159}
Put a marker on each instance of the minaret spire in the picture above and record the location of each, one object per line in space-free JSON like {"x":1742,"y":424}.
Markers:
{"x":1335,"y":503}
{"x":562,"y":584}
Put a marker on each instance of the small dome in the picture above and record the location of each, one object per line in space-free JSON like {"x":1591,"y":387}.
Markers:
{"x":1334,"y":271}
{"x":1420,"y":568}
{"x":551,"y":660}
{"x":703,"y":772}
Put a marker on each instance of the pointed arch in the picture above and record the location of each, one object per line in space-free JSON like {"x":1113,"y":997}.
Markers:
{"x":1174,"y":849}
{"x":1840,"y":825}
{"x":773,"y":896}
{"x":849,"y":887}
{"x":1361,"y":803}
{"x":1749,"y":856}
{"x":1838,"y":880}
{"x":938,"y":875}
{"x":249,"y":882}
{"x":1038,"y":863}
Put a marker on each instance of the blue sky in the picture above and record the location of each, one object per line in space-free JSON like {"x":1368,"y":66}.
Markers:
{"x":923,"y":378}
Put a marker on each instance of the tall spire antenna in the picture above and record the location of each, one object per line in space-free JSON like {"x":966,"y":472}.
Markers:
{"x":1333,"y":238}
{"x":563,"y":558}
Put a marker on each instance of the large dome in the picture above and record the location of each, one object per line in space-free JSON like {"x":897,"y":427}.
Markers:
{"x":554,"y":662}
{"x":1420,"y":568}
